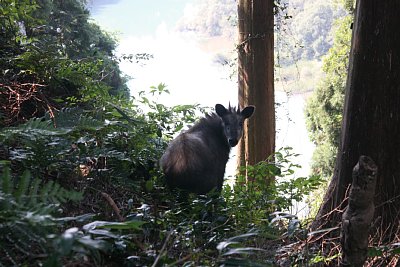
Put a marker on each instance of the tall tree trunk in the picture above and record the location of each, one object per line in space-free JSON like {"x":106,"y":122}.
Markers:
{"x":371,"y":121}
{"x":256,"y":79}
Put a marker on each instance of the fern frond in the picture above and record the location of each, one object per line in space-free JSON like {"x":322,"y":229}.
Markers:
{"x":6,"y":181}
{"x":75,"y":118}
{"x":45,"y":191}
{"x":52,"y":192}
{"x":34,"y":192}
{"x":23,"y":185}
{"x":30,"y":130}
{"x":64,"y":122}
{"x":30,"y":192}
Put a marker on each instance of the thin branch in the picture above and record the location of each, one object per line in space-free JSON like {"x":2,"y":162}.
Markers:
{"x":113,"y":205}
{"x":162,"y":249}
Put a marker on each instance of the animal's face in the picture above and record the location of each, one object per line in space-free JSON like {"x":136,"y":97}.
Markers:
{"x":232,"y":121}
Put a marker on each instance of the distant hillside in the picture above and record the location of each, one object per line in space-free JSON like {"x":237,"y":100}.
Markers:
{"x":311,"y":24}
{"x":210,"y":18}
{"x":306,"y":36}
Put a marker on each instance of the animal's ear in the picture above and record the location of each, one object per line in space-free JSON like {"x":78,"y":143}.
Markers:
{"x":248,"y":111}
{"x":220,"y":110}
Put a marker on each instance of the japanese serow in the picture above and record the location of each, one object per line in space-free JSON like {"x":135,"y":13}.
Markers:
{"x":195,"y":160}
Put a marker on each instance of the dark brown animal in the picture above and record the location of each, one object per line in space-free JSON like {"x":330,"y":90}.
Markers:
{"x":195,"y":160}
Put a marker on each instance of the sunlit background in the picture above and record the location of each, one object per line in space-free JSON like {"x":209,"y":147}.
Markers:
{"x":189,"y":58}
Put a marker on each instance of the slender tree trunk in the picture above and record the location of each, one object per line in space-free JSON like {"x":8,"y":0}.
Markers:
{"x":256,"y":79}
{"x":371,"y":120}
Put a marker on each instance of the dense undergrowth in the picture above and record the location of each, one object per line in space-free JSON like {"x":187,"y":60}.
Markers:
{"x":84,"y":189}
{"x":79,"y":178}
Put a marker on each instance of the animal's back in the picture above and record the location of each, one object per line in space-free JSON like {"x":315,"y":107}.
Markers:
{"x":196,"y":159}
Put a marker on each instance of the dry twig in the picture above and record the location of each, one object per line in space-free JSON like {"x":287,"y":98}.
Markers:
{"x":113,"y":206}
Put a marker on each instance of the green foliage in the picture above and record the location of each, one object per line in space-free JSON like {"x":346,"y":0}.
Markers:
{"x":13,"y":12}
{"x":307,"y":35}
{"x":240,"y":228}
{"x":318,"y":259}
{"x":81,"y":156}
{"x":27,"y":191}
{"x":324,"y":109}
{"x":54,"y":57}
{"x":96,"y":134}
{"x":313,"y":29}
{"x":112,"y":149}
{"x":200,"y":230}
{"x":203,"y":230}
{"x":284,"y":191}
{"x":169,"y":120}
{"x":26,"y":216}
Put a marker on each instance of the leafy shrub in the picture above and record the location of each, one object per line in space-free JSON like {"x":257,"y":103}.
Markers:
{"x":54,"y":57}
{"x":324,"y":108}
{"x":238,"y":228}
{"x":110,"y":156}
{"x":30,"y":225}
{"x":113,"y":150}
{"x":81,"y":155}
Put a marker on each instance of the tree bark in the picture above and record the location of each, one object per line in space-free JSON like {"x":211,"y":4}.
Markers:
{"x":357,"y":218}
{"x":256,"y":79}
{"x":371,"y":120}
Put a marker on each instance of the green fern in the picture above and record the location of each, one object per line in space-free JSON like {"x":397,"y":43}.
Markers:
{"x":64,"y":122}
{"x":6,"y":181}
{"x":30,"y":192}
{"x":34,"y":192}
{"x":76,"y":119}
{"x":26,"y":215}
{"x":31,"y":130}
{"x":22,"y":187}
{"x":53,"y":192}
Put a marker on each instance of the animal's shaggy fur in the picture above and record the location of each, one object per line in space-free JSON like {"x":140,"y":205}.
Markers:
{"x":196,"y":159}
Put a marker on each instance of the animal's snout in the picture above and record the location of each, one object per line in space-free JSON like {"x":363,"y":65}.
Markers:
{"x":232,"y":142}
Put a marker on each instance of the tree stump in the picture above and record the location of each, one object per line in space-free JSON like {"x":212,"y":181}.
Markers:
{"x":357,"y":218}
